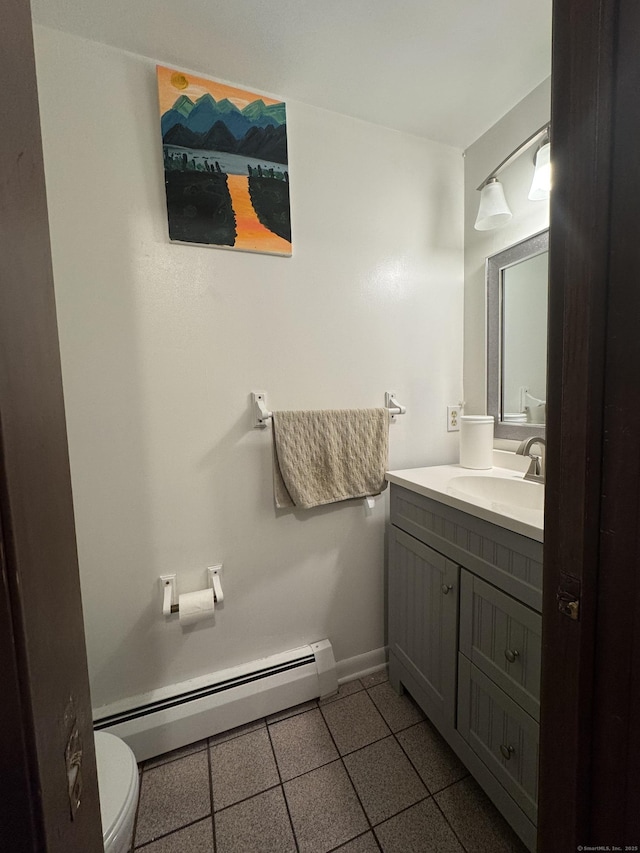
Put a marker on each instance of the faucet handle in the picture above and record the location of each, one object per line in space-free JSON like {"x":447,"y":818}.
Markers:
{"x":536,"y":468}
{"x":536,"y":464}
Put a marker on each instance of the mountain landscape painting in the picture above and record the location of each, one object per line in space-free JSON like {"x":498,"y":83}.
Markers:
{"x":225,"y":164}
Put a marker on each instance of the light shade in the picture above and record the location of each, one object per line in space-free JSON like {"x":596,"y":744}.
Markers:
{"x":541,"y":184}
{"x":494,"y":210}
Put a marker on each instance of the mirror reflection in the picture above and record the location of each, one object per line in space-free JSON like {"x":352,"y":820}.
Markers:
{"x":524,"y":340}
{"x":517,"y":283}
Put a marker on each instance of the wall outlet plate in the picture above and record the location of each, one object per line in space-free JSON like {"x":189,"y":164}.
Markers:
{"x":453,"y":418}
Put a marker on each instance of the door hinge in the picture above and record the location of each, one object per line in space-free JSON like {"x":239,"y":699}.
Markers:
{"x":568,"y":596}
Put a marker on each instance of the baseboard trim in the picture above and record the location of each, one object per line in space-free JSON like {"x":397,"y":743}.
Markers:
{"x":361,"y":665}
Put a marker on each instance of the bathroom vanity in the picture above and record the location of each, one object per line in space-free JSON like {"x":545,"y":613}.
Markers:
{"x":465,"y":595}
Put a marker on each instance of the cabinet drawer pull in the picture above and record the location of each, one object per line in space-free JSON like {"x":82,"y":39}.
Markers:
{"x":511,"y":655}
{"x":446,"y":587}
{"x":506,"y":751}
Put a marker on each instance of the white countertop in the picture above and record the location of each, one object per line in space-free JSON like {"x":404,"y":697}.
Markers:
{"x":439,"y":484}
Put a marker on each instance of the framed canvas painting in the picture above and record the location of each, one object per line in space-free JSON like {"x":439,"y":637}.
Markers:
{"x":225,"y":164}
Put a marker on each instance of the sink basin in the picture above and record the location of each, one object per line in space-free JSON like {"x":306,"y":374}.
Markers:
{"x":499,"y":495}
{"x":501,"y":492}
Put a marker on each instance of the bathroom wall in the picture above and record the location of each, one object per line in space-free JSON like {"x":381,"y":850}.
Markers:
{"x":162,"y":344}
{"x":529,"y":217}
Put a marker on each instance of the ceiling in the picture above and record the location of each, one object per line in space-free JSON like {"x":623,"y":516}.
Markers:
{"x":443,"y":69}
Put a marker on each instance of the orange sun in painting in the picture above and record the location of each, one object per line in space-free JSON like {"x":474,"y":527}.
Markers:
{"x":179,"y":81}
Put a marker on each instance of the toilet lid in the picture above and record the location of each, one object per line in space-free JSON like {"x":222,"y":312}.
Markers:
{"x":117,"y":782}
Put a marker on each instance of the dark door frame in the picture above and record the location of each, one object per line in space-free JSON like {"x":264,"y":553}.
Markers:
{"x":589,"y":750}
{"x":616,"y":731}
{"x":45,"y":688}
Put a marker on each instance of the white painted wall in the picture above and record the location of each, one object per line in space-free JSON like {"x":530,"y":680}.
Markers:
{"x":161,"y":345}
{"x":529,"y":217}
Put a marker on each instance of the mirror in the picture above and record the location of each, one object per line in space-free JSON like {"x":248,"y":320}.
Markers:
{"x":517,"y":290}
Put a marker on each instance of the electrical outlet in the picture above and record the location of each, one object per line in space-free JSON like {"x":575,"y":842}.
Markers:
{"x":453,"y":418}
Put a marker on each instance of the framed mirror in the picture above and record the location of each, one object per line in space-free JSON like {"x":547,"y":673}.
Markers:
{"x":517,"y":292}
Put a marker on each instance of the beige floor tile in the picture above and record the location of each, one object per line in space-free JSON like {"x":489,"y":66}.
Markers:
{"x":354,"y":722}
{"x":324,"y":809}
{"x":258,"y":825}
{"x":399,"y":712}
{"x":363,"y":844}
{"x":432,"y":756}
{"x":384,"y":779}
{"x":302,"y":743}
{"x":242,"y":767}
{"x":420,"y":829}
{"x":173,"y":795}
{"x":197,"y":838}
{"x":375,"y":678}
{"x":476,"y":821}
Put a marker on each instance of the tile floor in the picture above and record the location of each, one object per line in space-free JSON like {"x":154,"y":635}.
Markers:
{"x":360,"y":772}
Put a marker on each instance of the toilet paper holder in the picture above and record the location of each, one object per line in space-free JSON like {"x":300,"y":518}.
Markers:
{"x":170,"y":589}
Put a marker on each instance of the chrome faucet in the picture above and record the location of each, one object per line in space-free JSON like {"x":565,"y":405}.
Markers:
{"x":537,"y":468}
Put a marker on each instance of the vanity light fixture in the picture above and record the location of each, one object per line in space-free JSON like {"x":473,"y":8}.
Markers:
{"x":541,"y":184}
{"x":494,"y":211}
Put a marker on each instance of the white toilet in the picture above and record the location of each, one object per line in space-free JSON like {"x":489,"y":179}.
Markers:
{"x":118,"y":786}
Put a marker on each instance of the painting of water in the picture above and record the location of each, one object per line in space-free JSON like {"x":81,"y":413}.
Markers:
{"x":225,"y":164}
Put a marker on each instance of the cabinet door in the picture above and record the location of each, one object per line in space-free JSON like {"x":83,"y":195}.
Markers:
{"x":423,"y":622}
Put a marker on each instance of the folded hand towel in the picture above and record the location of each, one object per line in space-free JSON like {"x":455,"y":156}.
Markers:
{"x":325,"y":456}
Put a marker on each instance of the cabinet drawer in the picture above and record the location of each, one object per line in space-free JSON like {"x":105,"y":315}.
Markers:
{"x":502,"y":638}
{"x":503,"y":558}
{"x":503,"y":735}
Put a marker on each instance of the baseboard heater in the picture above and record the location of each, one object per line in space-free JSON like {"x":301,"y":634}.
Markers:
{"x":183,"y":713}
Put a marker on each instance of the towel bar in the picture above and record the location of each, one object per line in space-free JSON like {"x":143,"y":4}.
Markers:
{"x":262,"y":414}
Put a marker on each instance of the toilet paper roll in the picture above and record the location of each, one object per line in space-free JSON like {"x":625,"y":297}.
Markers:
{"x":195,"y":606}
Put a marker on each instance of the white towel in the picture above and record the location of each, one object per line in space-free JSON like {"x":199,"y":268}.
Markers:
{"x":320,"y":457}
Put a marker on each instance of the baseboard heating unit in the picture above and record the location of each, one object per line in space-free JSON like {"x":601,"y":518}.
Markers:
{"x":183,"y":713}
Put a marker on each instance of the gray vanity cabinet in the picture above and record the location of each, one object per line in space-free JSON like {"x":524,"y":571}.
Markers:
{"x":423,"y":622}
{"x":464,"y":622}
